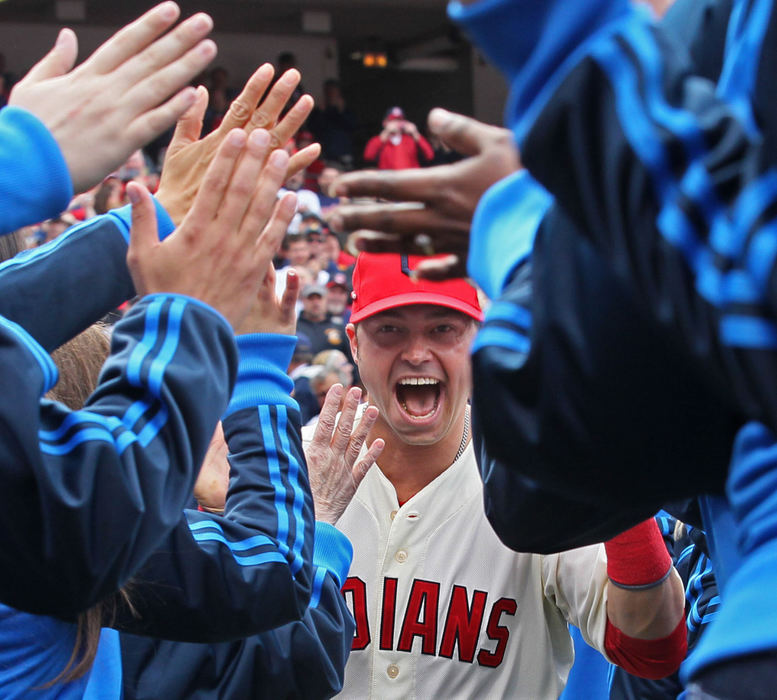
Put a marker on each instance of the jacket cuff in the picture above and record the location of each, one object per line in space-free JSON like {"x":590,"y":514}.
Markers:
{"x":333,"y":551}
{"x":35,"y":182}
{"x":503,"y":228}
{"x":261,"y":372}
{"x":123,"y":216}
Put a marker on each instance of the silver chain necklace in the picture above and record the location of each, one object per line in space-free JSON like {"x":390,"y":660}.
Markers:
{"x":464,"y":436}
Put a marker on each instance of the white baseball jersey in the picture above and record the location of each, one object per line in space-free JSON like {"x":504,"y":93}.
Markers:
{"x":444,"y":610}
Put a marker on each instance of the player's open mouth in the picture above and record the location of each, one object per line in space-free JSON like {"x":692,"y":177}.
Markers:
{"x":418,"y":396}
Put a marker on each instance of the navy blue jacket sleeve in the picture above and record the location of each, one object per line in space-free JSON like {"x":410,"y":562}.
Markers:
{"x":88,"y":495}
{"x":567,"y":349}
{"x":225,"y":577}
{"x":666,"y":173}
{"x":302,"y":659}
{"x":58,"y":290}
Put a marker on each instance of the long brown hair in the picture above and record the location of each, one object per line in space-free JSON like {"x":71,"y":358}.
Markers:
{"x":79,"y":362}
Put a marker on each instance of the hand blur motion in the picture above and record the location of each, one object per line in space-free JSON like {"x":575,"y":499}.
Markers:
{"x":438,"y":202}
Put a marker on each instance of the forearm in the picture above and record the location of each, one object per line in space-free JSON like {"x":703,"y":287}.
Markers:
{"x":647,"y":614}
{"x":261,"y":549}
{"x":90,"y":494}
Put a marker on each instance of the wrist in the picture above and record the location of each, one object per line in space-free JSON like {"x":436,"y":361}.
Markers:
{"x":638,"y":558}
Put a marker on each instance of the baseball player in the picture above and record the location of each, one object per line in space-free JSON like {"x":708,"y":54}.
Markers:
{"x":442,"y":607}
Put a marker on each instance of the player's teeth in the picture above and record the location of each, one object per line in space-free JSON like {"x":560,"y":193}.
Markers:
{"x":418,"y":381}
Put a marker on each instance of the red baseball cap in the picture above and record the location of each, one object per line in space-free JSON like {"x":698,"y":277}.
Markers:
{"x":382,"y":281}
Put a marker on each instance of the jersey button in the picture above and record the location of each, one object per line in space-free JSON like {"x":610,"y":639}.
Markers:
{"x":392,"y":671}
{"x":393,"y":514}
{"x":401,"y":556}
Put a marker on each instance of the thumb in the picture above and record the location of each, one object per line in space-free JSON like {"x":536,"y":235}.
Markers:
{"x":59,"y":60}
{"x":143,"y":231}
{"x":462,"y":134}
{"x":189,"y":126}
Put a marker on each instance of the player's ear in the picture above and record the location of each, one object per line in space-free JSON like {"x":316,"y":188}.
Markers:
{"x":350,"y":331}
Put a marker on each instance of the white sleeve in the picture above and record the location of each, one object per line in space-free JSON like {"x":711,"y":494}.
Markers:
{"x":576,"y":583}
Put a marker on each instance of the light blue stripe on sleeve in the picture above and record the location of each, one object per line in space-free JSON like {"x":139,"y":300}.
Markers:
{"x":169,"y":346}
{"x":511,"y":313}
{"x":271,"y":450}
{"x":743,"y":53}
{"x":500,"y":337}
{"x":146,"y":344}
{"x":299,"y":495}
{"x":318,"y":585}
{"x":748,"y":332}
{"x":238,"y":546}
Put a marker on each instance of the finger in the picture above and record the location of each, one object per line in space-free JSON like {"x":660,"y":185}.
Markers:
{"x":266,"y":115}
{"x":292,"y":121}
{"x":270,"y":239}
{"x":244,"y":104}
{"x":215,"y":181}
{"x":240,"y":193}
{"x":289,"y":298}
{"x":189,"y":126}
{"x":412,"y":184}
{"x":342,"y":433}
{"x":149,"y":125}
{"x":133,"y":38}
{"x":322,"y":435}
{"x":303,"y":158}
{"x":378,"y":242}
{"x":154,"y":88}
{"x":58,"y":61}
{"x":405,"y":217}
{"x":143,"y":229}
{"x":361,"y":467}
{"x":464,"y":134}
{"x":440,"y":269}
{"x":368,"y":419}
{"x":262,"y":204}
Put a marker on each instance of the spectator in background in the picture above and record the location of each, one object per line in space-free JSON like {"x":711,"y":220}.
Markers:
{"x":307,"y":200}
{"x":333,"y":125}
{"x":6,"y":81}
{"x":220,"y":95}
{"x":109,"y":195}
{"x":300,"y":371}
{"x":400,"y":145}
{"x":286,"y":61}
{"x":337,"y":361}
{"x":324,"y":332}
{"x":314,"y":229}
{"x":297,"y":250}
{"x":326,"y":195}
{"x":338,"y":297}
{"x":343,"y":262}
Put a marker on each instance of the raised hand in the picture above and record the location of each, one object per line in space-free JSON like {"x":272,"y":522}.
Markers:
{"x":269,"y":314}
{"x":222,"y":250}
{"x":429,"y":209}
{"x":189,"y":155}
{"x":334,"y":467}
{"x":119,"y":98}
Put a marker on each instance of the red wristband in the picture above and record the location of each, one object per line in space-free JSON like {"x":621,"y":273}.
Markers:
{"x":638,"y":557}
{"x":647,"y":658}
